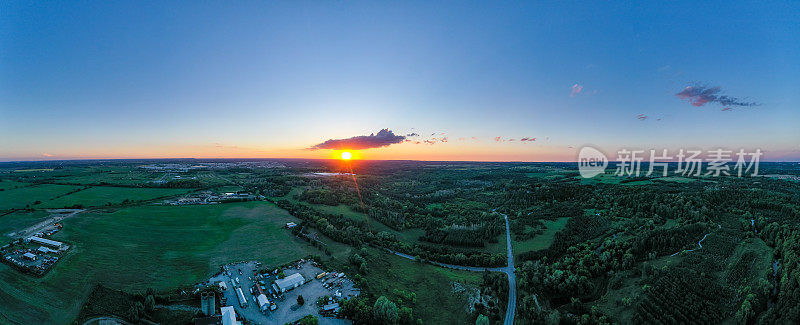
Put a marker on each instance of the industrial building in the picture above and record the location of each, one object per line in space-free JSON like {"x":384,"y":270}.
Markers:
{"x":45,"y":250}
{"x":229,"y":316}
{"x":46,"y":242}
{"x":207,"y":303}
{"x":263,"y":302}
{"x":29,"y":256}
{"x":290,"y":282}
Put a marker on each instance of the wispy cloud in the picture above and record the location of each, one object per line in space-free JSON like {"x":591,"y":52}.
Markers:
{"x":576,"y":89}
{"x":641,"y":117}
{"x":47,"y":154}
{"x":384,"y":138}
{"x":700,"y":95}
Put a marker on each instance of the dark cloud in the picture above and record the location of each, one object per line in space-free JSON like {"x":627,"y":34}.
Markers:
{"x":527,"y":139}
{"x":412,"y":135}
{"x":641,"y":117}
{"x":699,"y":95}
{"x":384,"y":138}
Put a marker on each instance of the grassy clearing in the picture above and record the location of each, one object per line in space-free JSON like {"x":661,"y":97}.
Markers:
{"x":17,"y":221}
{"x":162,"y":247}
{"x":101,"y":195}
{"x":436,"y":301}
{"x":340,"y":209}
{"x":543,"y":240}
{"x":23,"y":196}
{"x":9,"y":185}
{"x":500,"y":246}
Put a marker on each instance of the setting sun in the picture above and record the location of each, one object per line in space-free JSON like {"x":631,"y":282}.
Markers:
{"x":346,"y":155}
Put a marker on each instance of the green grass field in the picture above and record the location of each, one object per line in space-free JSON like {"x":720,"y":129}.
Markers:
{"x":99,"y":196}
{"x":17,"y":221}
{"x":341,"y":209}
{"x":149,"y":246}
{"x":20,"y":197}
{"x":436,"y":301}
{"x":8,"y":185}
{"x":543,"y":240}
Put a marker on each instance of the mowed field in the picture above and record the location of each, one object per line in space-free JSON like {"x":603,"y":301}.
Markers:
{"x":162,"y":247}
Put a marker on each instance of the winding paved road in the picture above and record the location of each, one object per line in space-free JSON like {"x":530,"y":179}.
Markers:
{"x":508,"y":270}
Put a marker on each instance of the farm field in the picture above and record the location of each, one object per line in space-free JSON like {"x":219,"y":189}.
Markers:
{"x":101,"y":195}
{"x":8,"y":185}
{"x":19,"y":220}
{"x":162,"y":247}
{"x":19,"y":198}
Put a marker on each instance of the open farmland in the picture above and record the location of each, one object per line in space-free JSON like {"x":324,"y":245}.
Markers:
{"x":18,"y":220}
{"x":21,"y":197}
{"x":131,"y":249}
{"x":103,"y":195}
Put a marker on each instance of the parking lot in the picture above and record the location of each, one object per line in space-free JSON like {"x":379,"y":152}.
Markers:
{"x":287,"y":309}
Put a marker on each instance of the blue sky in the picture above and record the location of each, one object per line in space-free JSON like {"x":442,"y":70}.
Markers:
{"x":268,"y":79}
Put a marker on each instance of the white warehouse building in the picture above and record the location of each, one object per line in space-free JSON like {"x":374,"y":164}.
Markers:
{"x":46,"y":242}
{"x":290,"y":282}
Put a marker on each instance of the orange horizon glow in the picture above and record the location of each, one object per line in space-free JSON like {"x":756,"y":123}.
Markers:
{"x":439,"y":152}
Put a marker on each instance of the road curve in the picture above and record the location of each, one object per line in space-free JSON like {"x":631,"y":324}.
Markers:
{"x":508,"y":270}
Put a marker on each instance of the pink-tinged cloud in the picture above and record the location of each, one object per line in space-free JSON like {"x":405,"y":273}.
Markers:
{"x":700,"y":95}
{"x":726,"y":109}
{"x":384,"y":138}
{"x":497,"y":139}
{"x":47,"y":154}
{"x":527,"y":139}
{"x":433,"y":141}
{"x":576,"y":89}
{"x":641,"y":117}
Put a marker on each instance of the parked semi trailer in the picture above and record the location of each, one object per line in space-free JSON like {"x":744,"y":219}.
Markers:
{"x":242,"y":299}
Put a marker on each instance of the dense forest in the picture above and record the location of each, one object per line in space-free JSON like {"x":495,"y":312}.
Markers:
{"x":631,"y":251}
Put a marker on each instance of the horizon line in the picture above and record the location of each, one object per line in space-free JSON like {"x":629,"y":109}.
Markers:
{"x":335,"y":159}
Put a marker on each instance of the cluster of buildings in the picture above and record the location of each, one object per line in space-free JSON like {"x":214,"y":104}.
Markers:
{"x":255,"y":290}
{"x":25,"y":256}
{"x":208,"y":197}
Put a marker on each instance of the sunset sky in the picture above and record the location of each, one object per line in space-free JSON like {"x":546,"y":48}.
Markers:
{"x":132,"y":79}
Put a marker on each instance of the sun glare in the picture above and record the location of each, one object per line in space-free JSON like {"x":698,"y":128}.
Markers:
{"x":346,"y":155}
